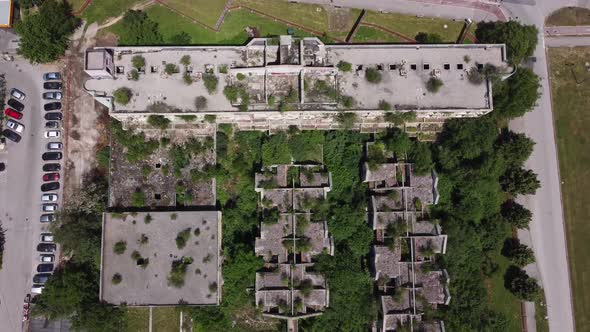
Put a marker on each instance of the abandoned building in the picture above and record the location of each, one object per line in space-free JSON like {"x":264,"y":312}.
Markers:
{"x":272,"y":83}
{"x":406,"y":243}
{"x":293,"y":230}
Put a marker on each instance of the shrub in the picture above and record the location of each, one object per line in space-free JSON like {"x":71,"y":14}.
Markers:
{"x":347,"y":101}
{"x":117,"y":278}
{"x":135,"y":255}
{"x":143,"y":239}
{"x":211,"y":118}
{"x":120,"y":247}
{"x":384,"y":106}
{"x":213,"y":287}
{"x":433,"y":85}
{"x":123,"y":95}
{"x":182,"y":237}
{"x":271,"y":100}
{"x":173,"y":216}
{"x":428,"y":38}
{"x":158,"y":121}
{"x":399,"y":118}
{"x":187,"y":117}
{"x":138,"y":199}
{"x":185,"y":60}
{"x":372,"y":75}
{"x":178,"y":271}
{"x":210,"y":82}
{"x":138,"y":61}
{"x":346,"y":120}
{"x":187,"y":78}
{"x":240,"y":76}
{"x":134,"y":74}
{"x":103,"y":157}
{"x":148,"y":218}
{"x":200,"y":103}
{"x":170,"y":69}
{"x":231,"y":93}
{"x":223,"y":69}
{"x":344,"y":66}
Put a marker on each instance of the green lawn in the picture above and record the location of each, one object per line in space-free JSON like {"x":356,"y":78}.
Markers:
{"x":206,"y":11}
{"x":165,"y":319}
{"x":138,"y":319}
{"x":569,"y":16}
{"x":410,"y":26}
{"x":540,"y":316}
{"x":371,"y":35}
{"x":100,"y":10}
{"x":499,"y":298}
{"x":76,"y":4}
{"x":571,"y":107}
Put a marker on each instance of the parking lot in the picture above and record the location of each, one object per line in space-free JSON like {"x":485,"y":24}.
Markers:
{"x":20,"y":192}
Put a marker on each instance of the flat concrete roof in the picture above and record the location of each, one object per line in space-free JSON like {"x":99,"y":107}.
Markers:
{"x":95,"y":59}
{"x":404,"y":69}
{"x":6,"y":13}
{"x":149,"y":285}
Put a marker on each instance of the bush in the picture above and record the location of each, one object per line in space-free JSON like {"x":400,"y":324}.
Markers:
{"x":211,"y":118}
{"x":158,"y":121}
{"x":138,"y":29}
{"x":384,"y":106}
{"x":170,"y":69}
{"x":428,"y":38}
{"x":344,"y":66}
{"x":103,"y":157}
{"x":120,"y":247}
{"x":185,"y":60}
{"x":138,"y":199}
{"x":372,"y":75}
{"x":178,"y":271}
{"x":123,"y":95}
{"x":240,"y":76}
{"x":148,"y":218}
{"x":186,"y":118}
{"x":210,"y":82}
{"x":346,"y":120}
{"x":347,"y":101}
{"x":117,"y":278}
{"x":399,"y":118}
{"x":187,"y":78}
{"x":138,"y":61}
{"x":231,"y":93}
{"x":223,"y":69}
{"x":182,"y":237}
{"x":433,"y":85}
{"x":134,"y":74}
{"x":200,"y":103}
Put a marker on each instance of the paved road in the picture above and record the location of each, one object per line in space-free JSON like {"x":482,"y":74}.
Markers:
{"x":567,"y":41}
{"x":20,"y":195}
{"x":580,"y":30}
{"x":547,"y":228}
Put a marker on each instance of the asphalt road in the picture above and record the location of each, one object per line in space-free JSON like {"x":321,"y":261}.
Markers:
{"x":567,"y":41}
{"x":20,"y":195}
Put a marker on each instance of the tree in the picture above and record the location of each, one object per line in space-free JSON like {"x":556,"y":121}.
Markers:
{"x":515,"y":148}
{"x":181,"y":39}
{"x":428,"y":38}
{"x":138,"y":61}
{"x":185,"y":60}
{"x":344,"y":66}
{"x":519,"y":254}
{"x":518,"y":282}
{"x":158,"y":121}
{"x":210,"y":82}
{"x":520,"y":40}
{"x":520,"y":181}
{"x":372,"y":75}
{"x":44,"y":34}
{"x":138,"y":29}
{"x":398,"y":142}
{"x":200,"y":103}
{"x":433,"y":85}
{"x":516,"y":215}
{"x":170,"y":69}
{"x":123,"y":95}
{"x":421,"y":156}
{"x":517,"y":95}
{"x":346,"y":119}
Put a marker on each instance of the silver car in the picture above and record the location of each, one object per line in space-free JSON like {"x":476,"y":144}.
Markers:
{"x":46,"y":258}
{"x":46,"y":237}
{"x":15,"y":126}
{"x":49,"y":207}
{"x":52,"y":95}
{"x":16,"y":93}
{"x":54,"y":146}
{"x":49,"y":198}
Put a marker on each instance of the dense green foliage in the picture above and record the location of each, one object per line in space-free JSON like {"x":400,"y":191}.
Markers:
{"x":433,"y":85}
{"x":520,"y":40}
{"x":45,"y":34}
{"x":518,"y":253}
{"x":138,"y":29}
{"x":138,"y":148}
{"x":372,"y":75}
{"x":428,"y":38}
{"x":158,"y":121}
{"x":521,"y":285}
{"x":516,"y":215}
{"x":516,"y":95}
{"x":123,"y":95}
{"x":344,"y":66}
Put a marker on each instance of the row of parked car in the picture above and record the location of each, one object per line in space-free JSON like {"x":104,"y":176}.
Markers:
{"x":51,"y":177}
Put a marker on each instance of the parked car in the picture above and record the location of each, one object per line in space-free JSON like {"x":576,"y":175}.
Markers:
{"x":51,"y":76}
{"x":15,"y":126}
{"x":37,"y":289}
{"x":46,"y":237}
{"x":51,"y":156}
{"x":52,"y":134}
{"x":52,"y":124}
{"x":53,"y":116}
{"x":51,"y":168}
{"x":52,"y":85}
{"x":51,"y":177}
{"x":46,"y":247}
{"x":54,"y":146}
{"x":48,"y":267}
{"x":17,"y":105}
{"x":11,"y":135}
{"x":50,"y":186}
{"x":16,"y":93}
{"x":49,"y":198}
{"x":13,"y":114}
{"x":2,"y":167}
{"x":41,"y":278}
{"x":54,"y":106}
{"x":46,"y":258}
{"x":47,"y":218}
{"x":49,"y":207}
{"x":52,"y":95}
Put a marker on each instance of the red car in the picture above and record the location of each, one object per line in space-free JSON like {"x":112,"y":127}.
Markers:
{"x":51,"y":177}
{"x":12,"y":113}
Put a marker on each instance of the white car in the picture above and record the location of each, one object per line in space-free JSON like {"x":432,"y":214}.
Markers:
{"x":52,"y":134}
{"x":46,"y":258}
{"x":48,"y":207}
{"x":54,"y":146}
{"x":52,"y":95}
{"x":37,"y":289}
{"x":49,"y":198}
{"x":46,"y":237}
{"x":16,"y":93}
{"x":15,"y":126}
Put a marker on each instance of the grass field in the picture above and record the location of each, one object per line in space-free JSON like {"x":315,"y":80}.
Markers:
{"x":76,"y":4}
{"x":206,"y":11}
{"x":138,"y":319}
{"x":569,"y":16}
{"x":99,"y":11}
{"x":540,"y":316}
{"x":371,"y":35}
{"x":165,"y":319}
{"x":500,"y":299}
{"x":571,"y":112}
{"x":410,"y":26}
